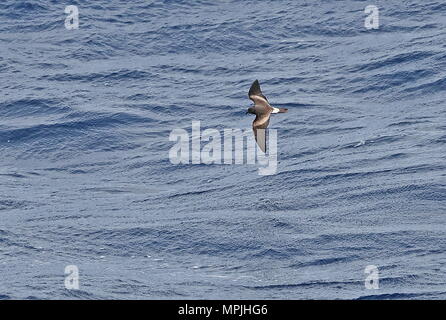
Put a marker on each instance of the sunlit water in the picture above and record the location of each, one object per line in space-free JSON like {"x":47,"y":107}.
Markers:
{"x":85,"y":177}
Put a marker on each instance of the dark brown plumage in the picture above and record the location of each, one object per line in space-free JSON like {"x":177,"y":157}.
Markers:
{"x":263,"y":110}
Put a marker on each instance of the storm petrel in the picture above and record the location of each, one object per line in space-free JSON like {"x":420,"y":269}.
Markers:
{"x":262,"y":109}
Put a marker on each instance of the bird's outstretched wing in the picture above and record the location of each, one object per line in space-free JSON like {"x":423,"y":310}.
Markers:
{"x":256,"y":95}
{"x":259,"y":126}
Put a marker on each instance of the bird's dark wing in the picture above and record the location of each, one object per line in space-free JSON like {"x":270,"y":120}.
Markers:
{"x":259,"y":126}
{"x":255,"y":93}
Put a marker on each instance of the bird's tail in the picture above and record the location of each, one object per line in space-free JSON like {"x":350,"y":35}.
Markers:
{"x":280,"y":110}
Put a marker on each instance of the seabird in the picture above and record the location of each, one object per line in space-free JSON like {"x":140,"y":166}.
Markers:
{"x":262,"y":109}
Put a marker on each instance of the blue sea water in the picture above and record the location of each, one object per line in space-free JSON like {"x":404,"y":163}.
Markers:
{"x":85,"y":177}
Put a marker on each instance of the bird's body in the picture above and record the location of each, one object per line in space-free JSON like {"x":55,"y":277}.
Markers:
{"x":263,"y":110}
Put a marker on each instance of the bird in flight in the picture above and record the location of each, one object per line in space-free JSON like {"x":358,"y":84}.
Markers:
{"x":263,"y":110}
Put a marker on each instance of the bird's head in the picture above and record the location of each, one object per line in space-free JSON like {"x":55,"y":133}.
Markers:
{"x":251,"y":110}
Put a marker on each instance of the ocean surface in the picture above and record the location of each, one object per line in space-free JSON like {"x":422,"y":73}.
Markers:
{"x":86,"y":179}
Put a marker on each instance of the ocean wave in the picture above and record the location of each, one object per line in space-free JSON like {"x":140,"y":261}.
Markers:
{"x":86,"y":177}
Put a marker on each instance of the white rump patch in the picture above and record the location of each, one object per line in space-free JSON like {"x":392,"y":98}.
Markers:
{"x":275,"y":110}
